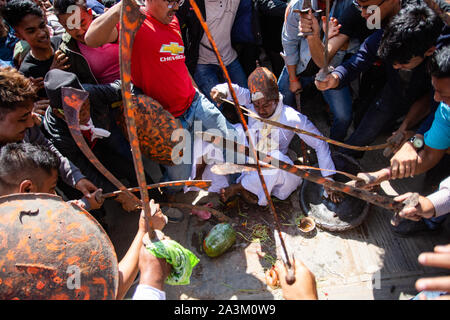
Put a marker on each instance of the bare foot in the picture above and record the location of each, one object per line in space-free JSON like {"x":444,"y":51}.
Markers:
{"x":227,"y":193}
{"x":249,"y":197}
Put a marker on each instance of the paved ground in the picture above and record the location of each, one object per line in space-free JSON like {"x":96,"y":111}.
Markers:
{"x":367,"y":262}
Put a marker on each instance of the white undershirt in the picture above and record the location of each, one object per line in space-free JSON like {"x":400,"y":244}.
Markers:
{"x":146,"y":292}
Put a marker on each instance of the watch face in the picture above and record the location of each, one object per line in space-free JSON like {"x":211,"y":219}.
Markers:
{"x":418,"y":143}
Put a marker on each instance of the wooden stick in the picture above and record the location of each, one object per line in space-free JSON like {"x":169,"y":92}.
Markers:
{"x":72,"y":102}
{"x":130,"y":21}
{"x":202,"y":184}
{"x":376,"y":199}
{"x":253,"y":115}
{"x":230,"y":168}
{"x":290,"y":278}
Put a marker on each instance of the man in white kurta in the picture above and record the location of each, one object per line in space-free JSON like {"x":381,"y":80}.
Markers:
{"x":264,"y":99}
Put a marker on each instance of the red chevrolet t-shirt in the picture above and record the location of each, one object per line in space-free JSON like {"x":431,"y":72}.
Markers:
{"x":158,"y":65}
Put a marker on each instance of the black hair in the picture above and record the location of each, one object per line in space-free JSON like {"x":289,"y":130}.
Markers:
{"x":409,"y":34}
{"x":21,"y":161}
{"x":15,"y":10}
{"x":108,"y":3}
{"x":15,"y":90}
{"x":61,"y":6}
{"x":439,"y":66}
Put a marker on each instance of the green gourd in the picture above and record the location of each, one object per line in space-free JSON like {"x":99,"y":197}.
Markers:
{"x":221,"y":237}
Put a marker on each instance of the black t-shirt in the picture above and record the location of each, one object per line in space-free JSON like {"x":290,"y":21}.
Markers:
{"x":354,"y":25}
{"x":32,"y":67}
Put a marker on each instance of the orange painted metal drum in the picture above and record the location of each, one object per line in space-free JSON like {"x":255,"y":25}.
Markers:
{"x":53,"y":250}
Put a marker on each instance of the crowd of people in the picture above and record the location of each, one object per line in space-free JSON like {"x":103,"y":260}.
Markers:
{"x":387,"y":70}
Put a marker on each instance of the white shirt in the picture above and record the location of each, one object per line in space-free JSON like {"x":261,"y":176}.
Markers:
{"x":146,"y":292}
{"x":291,"y":117}
{"x":441,"y":198}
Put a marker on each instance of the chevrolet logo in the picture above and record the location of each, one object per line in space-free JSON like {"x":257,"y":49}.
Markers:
{"x":174,"y":48}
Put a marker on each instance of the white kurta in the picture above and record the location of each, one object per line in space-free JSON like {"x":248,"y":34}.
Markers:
{"x":280,"y":183}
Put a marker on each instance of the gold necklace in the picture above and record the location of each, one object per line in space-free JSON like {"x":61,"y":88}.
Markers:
{"x":53,"y":52}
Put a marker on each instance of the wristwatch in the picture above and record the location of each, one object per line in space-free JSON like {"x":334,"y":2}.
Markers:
{"x":417,"y":142}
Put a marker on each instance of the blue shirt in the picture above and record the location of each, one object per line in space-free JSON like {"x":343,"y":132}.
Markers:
{"x":6,"y":63}
{"x":296,"y":47}
{"x":96,"y":6}
{"x":242,"y":31}
{"x":438,"y":137}
{"x":7,"y":44}
{"x":361,"y":60}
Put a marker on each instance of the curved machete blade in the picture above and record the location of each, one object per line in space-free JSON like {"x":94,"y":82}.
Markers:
{"x":153,"y":124}
{"x":202,"y":184}
{"x":376,"y":199}
{"x":131,"y":19}
{"x":231,"y":168}
{"x":72,"y":100}
{"x":255,"y":116}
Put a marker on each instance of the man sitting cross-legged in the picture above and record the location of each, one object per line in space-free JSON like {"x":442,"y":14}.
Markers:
{"x":265,"y":99}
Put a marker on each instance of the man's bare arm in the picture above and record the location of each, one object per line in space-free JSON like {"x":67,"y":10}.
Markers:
{"x":317,"y":48}
{"x":428,"y":158}
{"x":404,"y":165}
{"x":294,"y":82}
{"x":309,"y":23}
{"x":129,"y":265}
{"x":103,"y":29}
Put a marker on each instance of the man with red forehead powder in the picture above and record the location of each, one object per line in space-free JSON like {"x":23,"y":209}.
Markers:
{"x":158,"y":69}
{"x":263,"y":98}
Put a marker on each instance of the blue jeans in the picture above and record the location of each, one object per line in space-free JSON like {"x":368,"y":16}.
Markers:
{"x":207,"y":76}
{"x":206,"y":116}
{"x":402,"y":89}
{"x":434,"y":223}
{"x":340,"y":102}
{"x":283,"y":87}
{"x":382,"y":113}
